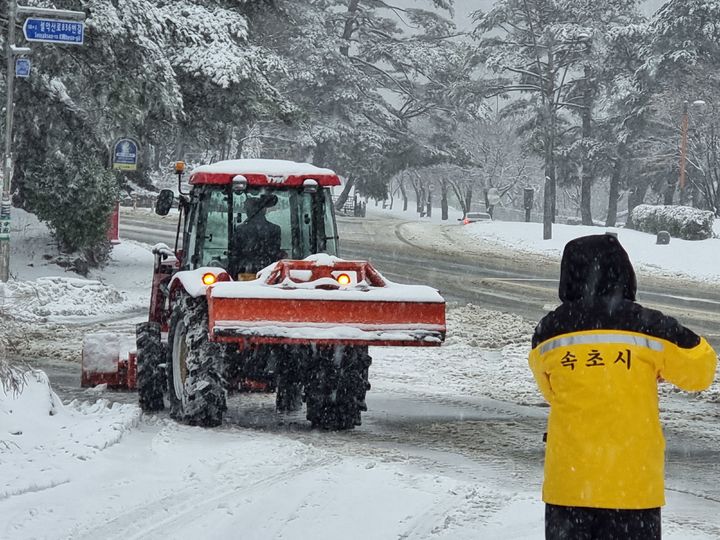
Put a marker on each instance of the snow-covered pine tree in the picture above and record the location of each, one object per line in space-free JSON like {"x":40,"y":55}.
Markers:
{"x":531,"y":45}
{"x":546,"y":51}
{"x":172,"y":74}
{"x":361,"y":72}
{"x":587,"y":143}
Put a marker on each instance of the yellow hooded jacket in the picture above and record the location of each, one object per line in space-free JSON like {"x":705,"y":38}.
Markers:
{"x":605,"y":447}
{"x":597,"y":359}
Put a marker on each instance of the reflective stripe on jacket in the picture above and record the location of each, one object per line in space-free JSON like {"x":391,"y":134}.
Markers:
{"x":605,"y":447}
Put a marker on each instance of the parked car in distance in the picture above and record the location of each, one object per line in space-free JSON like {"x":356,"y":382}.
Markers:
{"x":472,"y":217}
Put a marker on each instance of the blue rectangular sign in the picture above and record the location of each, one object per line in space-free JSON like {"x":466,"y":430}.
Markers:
{"x":22,"y":67}
{"x":125,"y":154}
{"x":54,"y":31}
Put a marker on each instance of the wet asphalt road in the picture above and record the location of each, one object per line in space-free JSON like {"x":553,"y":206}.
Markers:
{"x":518,"y":283}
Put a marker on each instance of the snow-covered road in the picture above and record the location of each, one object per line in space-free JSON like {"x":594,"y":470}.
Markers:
{"x":517,"y":276}
{"x":450,"y":448}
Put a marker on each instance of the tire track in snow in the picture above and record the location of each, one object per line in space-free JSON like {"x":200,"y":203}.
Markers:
{"x":184,"y":506}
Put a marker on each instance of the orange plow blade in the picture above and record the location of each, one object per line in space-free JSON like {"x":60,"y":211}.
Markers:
{"x":325,"y":301}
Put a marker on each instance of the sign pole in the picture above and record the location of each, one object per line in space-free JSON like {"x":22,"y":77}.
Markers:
{"x":7,"y":161}
{"x":7,"y":166}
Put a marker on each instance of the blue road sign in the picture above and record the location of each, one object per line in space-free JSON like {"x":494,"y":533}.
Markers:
{"x":54,"y":31}
{"x":22,"y":67}
{"x":125,"y":154}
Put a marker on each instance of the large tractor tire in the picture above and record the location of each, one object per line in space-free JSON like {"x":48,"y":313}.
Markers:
{"x":196,"y":390}
{"x":337,"y":380}
{"x":289,"y":379}
{"x":150,"y":372}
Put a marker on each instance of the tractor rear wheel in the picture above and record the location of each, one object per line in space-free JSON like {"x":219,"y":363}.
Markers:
{"x":195,"y":386}
{"x":337,"y":380}
{"x":150,"y":375}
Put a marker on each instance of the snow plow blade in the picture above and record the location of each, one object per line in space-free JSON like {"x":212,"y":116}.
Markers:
{"x":325,"y":301}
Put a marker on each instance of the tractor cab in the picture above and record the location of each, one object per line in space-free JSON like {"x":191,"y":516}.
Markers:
{"x":243,"y":215}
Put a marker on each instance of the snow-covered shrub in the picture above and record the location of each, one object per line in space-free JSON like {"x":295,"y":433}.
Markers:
{"x":12,"y":377}
{"x":74,"y":195}
{"x":680,"y":221}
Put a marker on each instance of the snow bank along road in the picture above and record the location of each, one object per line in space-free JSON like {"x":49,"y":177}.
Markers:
{"x":467,"y":271}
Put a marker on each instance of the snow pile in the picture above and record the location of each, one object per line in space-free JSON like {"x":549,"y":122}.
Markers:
{"x":699,"y":260}
{"x":479,"y":327}
{"x":42,"y":441}
{"x":455,"y":370}
{"x":485,"y":356}
{"x":53,"y":297}
{"x":680,"y":221}
{"x":46,"y":310}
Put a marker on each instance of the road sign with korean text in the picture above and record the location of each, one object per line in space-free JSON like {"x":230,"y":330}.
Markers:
{"x":54,"y":31}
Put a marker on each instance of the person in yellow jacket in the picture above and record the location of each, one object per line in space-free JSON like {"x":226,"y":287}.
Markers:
{"x":597,"y":360}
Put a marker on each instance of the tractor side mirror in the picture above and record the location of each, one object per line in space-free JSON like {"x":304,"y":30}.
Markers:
{"x":164,"y":202}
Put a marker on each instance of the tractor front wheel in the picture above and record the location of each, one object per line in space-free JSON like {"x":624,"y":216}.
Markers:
{"x":194,"y":365}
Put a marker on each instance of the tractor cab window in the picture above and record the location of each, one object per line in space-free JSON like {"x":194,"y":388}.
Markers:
{"x":329,"y":236}
{"x":190,"y":224}
{"x":262,"y":229}
{"x":316,"y":231}
{"x":306,"y":228}
{"x":215,"y":235}
{"x":244,"y":232}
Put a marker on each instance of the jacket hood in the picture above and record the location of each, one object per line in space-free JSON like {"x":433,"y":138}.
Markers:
{"x":596,"y":266}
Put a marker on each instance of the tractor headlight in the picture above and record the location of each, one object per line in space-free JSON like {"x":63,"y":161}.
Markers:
{"x":209,"y":279}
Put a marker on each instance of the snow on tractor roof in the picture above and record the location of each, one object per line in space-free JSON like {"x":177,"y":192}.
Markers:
{"x":263,"y":172}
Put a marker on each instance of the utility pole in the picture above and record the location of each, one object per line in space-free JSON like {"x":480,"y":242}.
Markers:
{"x":51,"y":35}
{"x":7,"y":165}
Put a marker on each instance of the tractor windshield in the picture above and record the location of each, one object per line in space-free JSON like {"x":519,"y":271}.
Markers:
{"x":244,"y":232}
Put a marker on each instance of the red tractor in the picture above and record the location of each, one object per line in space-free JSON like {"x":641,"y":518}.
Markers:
{"x":253,"y":295}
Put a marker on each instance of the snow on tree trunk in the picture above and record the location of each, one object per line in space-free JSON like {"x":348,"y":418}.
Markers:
{"x":614,"y":193}
{"x":342,"y":199}
{"x":444,"y":201}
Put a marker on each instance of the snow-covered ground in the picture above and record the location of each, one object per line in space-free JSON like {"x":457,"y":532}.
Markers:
{"x":696,"y":260}
{"x":94,"y":469}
